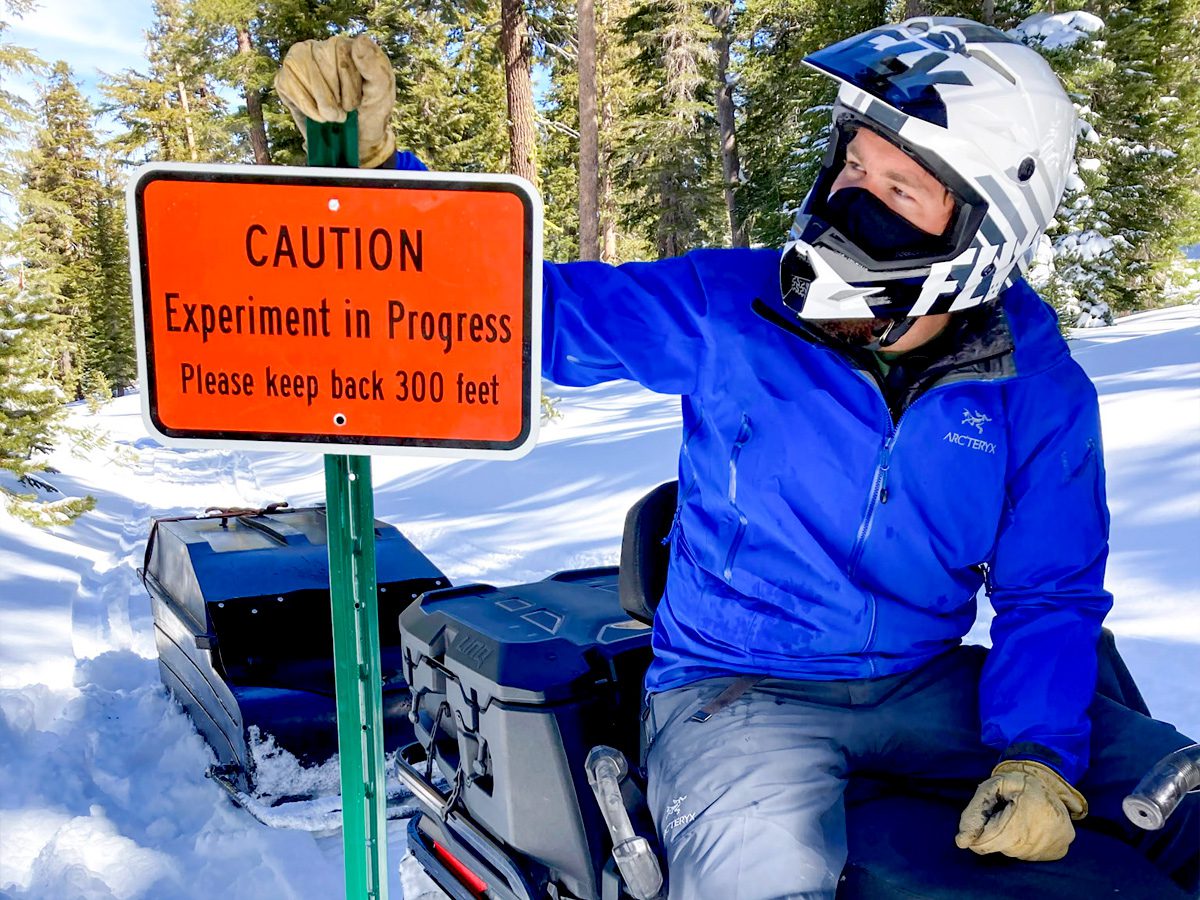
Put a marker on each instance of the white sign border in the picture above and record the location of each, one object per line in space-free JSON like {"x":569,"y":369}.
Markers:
{"x":308,"y":174}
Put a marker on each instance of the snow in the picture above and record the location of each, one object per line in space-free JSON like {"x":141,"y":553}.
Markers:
{"x":102,"y":785}
{"x":1085,"y":245}
{"x":1055,"y":31}
{"x":1084,"y":128}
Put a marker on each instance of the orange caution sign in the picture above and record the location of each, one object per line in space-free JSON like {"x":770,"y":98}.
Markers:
{"x":351,"y":311}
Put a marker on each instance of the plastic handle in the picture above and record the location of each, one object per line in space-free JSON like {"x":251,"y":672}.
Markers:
{"x":635,"y":857}
{"x":605,"y":769}
{"x":1157,"y":795}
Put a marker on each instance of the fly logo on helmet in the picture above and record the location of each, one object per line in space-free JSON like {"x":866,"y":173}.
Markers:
{"x":982,"y":113}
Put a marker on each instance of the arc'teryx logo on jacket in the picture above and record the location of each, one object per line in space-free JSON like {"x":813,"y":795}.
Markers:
{"x":971,"y":443}
{"x":975,"y":419}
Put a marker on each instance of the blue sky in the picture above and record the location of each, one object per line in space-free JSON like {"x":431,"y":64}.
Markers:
{"x":101,"y":36}
{"x":93,"y":36}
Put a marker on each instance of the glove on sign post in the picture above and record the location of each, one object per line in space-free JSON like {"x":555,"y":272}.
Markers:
{"x":356,"y":312}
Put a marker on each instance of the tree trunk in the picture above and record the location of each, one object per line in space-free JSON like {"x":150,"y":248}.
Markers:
{"x":608,"y":220}
{"x":731,"y":167}
{"x":913,"y":8}
{"x":589,"y":139}
{"x":258,"y":131}
{"x":608,"y":213}
{"x":167,"y":138}
{"x":669,"y":243}
{"x":518,"y":57}
{"x":989,"y":12}
{"x":187,"y":114}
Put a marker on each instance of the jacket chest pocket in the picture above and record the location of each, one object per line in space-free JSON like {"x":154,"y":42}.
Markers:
{"x":739,"y":520}
{"x":954,"y":481}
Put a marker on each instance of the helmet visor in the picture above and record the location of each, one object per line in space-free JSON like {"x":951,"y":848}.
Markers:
{"x":897,"y":63}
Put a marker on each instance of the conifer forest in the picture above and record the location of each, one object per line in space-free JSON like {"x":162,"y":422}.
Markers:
{"x":650,"y":127}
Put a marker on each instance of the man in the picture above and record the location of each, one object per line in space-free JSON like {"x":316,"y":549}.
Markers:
{"x":876,"y":425}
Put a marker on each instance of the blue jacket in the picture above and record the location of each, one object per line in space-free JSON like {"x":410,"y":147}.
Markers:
{"x":817,"y":539}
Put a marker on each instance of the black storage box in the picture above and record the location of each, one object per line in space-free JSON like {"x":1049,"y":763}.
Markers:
{"x":243,"y":630}
{"x":511,"y":689}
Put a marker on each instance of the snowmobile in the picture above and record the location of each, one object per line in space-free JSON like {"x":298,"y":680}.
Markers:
{"x":525,"y":763}
{"x":242,"y":625}
{"x":513,"y":717}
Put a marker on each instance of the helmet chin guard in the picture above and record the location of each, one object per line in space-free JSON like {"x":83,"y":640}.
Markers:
{"x":987,"y":117}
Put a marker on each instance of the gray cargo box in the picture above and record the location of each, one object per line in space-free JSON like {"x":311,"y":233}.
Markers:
{"x":511,"y":689}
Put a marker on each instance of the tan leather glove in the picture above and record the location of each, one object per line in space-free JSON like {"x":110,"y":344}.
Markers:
{"x":324,"y":80}
{"x":1024,"y":811}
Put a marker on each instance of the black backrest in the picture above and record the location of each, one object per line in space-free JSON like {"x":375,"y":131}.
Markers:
{"x":644,"y":553}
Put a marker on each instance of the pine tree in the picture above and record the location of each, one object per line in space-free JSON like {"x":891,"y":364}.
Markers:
{"x":172,"y":111}
{"x":14,"y":111}
{"x":243,"y":43}
{"x":560,"y":160}
{"x":30,"y":346}
{"x":1132,"y":201}
{"x":450,"y":106}
{"x":1149,"y":126}
{"x":671,"y":167}
{"x":731,"y":167}
{"x":230,"y":30}
{"x":616,"y":94}
{"x":30,"y":404}
{"x":112,"y":352}
{"x":786,"y":106}
{"x":1078,"y":262}
{"x":560,"y":157}
{"x":59,"y":194}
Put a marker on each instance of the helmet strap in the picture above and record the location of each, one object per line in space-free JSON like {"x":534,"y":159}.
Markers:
{"x":891,"y":331}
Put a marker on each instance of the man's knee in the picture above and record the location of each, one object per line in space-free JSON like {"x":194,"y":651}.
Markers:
{"x":748,"y":858}
{"x":748,"y":802}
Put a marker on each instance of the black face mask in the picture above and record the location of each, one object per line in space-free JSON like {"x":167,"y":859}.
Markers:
{"x":866,"y":220}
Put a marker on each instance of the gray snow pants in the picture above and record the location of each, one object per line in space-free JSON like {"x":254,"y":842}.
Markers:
{"x":749,"y":804}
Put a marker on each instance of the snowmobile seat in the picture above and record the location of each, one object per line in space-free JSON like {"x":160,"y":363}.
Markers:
{"x":902,"y":847}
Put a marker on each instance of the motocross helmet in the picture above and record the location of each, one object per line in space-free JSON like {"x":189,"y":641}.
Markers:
{"x":983,"y":114}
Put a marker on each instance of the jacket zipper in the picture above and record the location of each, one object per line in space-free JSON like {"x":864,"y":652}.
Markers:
{"x":683,"y":498}
{"x":879,"y":496}
{"x":879,"y":492}
{"x":743,"y":436}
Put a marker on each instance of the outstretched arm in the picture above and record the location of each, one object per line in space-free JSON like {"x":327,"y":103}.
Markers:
{"x":639,"y":321}
{"x":642,"y":321}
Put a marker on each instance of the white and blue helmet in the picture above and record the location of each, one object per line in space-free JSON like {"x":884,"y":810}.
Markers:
{"x":982,"y":113}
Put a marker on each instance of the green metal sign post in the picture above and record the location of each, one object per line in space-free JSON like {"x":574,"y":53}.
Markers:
{"x":196,"y":381}
{"x":350,"y":513}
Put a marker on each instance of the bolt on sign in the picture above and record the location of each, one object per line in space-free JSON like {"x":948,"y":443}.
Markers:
{"x":351,"y":311}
